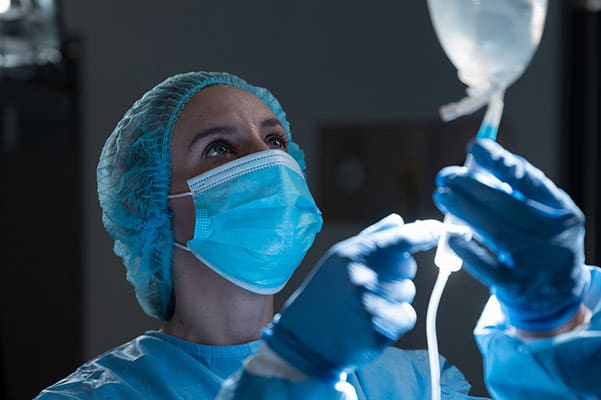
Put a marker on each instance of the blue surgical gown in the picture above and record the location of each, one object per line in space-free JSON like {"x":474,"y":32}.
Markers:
{"x":158,"y":366}
{"x":153,"y":366}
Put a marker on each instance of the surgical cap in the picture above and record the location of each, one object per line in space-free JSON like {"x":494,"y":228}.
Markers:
{"x":134,"y":176}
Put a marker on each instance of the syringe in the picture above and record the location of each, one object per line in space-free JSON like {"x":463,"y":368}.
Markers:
{"x":445,"y":258}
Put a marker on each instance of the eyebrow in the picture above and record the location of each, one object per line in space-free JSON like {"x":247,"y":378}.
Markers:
{"x":217,"y":130}
{"x":271,"y":122}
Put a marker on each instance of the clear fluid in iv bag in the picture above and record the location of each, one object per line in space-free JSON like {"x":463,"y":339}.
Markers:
{"x":490,"y":42}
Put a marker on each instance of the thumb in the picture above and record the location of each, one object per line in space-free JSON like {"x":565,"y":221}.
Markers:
{"x":479,"y":262}
{"x":420,"y":235}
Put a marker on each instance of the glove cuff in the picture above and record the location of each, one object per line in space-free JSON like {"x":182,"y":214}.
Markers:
{"x":526,"y":320}
{"x":290,"y":348}
{"x":549,"y":311}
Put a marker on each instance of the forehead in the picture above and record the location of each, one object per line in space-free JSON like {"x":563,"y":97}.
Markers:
{"x":222,"y":101}
{"x":218,"y":105}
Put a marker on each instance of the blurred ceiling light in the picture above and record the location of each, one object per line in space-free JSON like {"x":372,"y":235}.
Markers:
{"x":30,"y":33}
{"x":4,"y":6}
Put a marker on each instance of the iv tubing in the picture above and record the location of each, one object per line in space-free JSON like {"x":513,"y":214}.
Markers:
{"x":492,"y":118}
{"x":445,"y":259}
{"x":439,"y":285}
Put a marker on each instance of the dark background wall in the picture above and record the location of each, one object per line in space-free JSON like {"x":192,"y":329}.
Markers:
{"x":333,"y":63}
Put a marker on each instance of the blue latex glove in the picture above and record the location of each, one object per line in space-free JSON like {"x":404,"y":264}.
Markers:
{"x":533,"y":258}
{"x":356,"y":302}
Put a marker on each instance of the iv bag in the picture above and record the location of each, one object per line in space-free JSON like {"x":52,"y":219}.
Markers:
{"x":490,"y":42}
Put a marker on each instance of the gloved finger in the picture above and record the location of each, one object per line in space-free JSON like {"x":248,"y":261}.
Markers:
{"x":392,"y":265}
{"x":518,"y":173}
{"x":390,"y":221}
{"x":480,"y":262}
{"x":420,"y":235}
{"x":447,"y":174}
{"x":389,"y":318}
{"x":526,"y":215}
{"x":400,"y":291}
{"x":388,"y":252}
{"x":492,"y":231}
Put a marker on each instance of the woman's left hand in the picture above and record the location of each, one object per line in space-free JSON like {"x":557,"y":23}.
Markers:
{"x":532,"y":232}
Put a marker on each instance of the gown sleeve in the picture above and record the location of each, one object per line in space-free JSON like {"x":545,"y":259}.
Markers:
{"x":566,"y":366}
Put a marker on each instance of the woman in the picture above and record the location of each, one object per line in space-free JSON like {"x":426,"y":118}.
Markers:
{"x":203,"y":190}
{"x":213,"y":287}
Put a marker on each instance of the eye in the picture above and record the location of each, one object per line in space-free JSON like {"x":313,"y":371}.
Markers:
{"x":217,"y":149}
{"x":277,"y":141}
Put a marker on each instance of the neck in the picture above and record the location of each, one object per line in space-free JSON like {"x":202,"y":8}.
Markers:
{"x":211,"y":310}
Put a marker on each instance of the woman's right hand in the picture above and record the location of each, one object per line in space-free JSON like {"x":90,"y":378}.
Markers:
{"x":356,"y":302}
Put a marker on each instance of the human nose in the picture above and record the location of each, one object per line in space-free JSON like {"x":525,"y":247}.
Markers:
{"x":253,"y":144}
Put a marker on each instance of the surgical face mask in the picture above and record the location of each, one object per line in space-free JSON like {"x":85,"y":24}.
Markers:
{"x":255,"y":220}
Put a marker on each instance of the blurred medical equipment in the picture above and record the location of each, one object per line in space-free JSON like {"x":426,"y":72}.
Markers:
{"x":490,"y":42}
{"x":30,"y":33}
{"x":40,"y":126}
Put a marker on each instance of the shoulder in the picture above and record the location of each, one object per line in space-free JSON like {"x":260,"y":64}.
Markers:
{"x":106,"y":376}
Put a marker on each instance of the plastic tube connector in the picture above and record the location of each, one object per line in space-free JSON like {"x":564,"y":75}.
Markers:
{"x":466,"y":105}
{"x":445,"y":258}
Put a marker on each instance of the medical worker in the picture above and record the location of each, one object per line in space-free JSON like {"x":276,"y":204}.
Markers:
{"x":204,"y":192}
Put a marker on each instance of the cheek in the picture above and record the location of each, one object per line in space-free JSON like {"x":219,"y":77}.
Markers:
{"x":183,"y":219}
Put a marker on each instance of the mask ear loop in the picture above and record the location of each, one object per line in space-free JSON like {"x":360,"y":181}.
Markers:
{"x":181,"y":246}
{"x":179,"y":196}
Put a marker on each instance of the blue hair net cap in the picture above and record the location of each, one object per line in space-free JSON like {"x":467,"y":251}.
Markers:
{"x":134,"y":176}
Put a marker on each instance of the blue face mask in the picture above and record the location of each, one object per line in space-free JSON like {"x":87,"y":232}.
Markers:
{"x":255,"y":220}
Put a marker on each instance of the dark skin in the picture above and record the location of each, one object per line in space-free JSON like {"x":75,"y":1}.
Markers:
{"x":219,"y":124}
